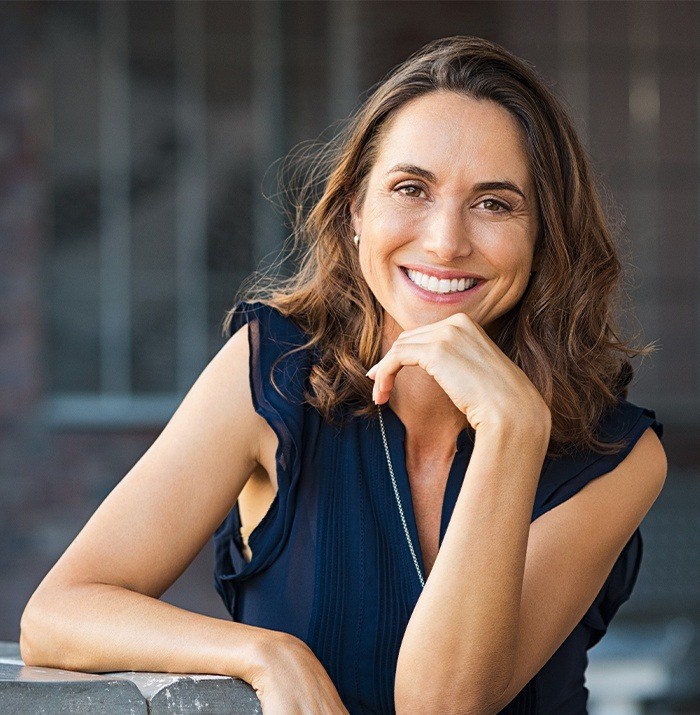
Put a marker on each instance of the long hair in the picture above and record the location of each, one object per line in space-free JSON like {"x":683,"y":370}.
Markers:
{"x":562,"y":333}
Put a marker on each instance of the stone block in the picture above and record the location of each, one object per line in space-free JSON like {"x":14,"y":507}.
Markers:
{"x":28,"y":690}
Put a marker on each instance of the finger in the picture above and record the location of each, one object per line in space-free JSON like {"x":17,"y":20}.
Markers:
{"x":383,"y":373}
{"x":426,"y":338}
{"x":390,"y":365}
{"x":454,"y":319}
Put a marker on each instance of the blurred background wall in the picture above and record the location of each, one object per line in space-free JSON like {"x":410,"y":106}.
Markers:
{"x":137,"y":141}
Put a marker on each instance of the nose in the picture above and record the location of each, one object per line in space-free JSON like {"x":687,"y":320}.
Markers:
{"x":448,"y":233}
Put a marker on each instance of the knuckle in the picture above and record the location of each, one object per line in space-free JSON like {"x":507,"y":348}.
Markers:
{"x":460,"y":319}
{"x":453,"y":332}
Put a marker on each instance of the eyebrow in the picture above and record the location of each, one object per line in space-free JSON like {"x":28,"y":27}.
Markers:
{"x":429,"y":176}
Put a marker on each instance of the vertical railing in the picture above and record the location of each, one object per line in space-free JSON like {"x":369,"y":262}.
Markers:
{"x":267,"y":116}
{"x":191,"y":189}
{"x":115,"y":210}
{"x":344,"y":47}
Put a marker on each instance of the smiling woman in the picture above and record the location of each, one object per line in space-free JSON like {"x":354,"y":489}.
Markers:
{"x":480,"y":289}
{"x":460,"y":163}
{"x":415,"y":530}
{"x":466,"y":216}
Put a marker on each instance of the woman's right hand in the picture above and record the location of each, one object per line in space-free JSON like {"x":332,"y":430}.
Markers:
{"x":290,"y":680}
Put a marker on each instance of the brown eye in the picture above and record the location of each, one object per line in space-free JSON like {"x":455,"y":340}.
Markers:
{"x":494,"y":202}
{"x":414,"y":187}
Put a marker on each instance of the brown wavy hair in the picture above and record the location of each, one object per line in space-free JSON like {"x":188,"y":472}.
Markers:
{"x":562,"y":333}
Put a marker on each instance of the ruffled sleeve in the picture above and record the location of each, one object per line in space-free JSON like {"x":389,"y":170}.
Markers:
{"x":566,"y":476}
{"x":616,"y":590}
{"x":271,"y":336}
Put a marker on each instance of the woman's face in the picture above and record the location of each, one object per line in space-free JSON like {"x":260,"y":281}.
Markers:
{"x":427,"y":206}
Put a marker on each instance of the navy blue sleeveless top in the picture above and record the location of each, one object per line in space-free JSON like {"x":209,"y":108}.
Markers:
{"x":330,"y":562}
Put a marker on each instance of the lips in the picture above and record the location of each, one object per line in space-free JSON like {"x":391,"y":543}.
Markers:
{"x":441,"y":273}
{"x":442,"y":286}
{"x":441,"y":298}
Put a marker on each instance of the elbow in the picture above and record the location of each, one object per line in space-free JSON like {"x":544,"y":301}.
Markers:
{"x":476,"y":689}
{"x":415,"y":703}
{"x":458,"y":706}
{"x":28,"y":647}
{"x":40,"y":642}
{"x":448,"y":700}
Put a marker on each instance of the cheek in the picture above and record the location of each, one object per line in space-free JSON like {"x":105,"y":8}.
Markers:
{"x":377,"y":266}
{"x":390,"y":218}
{"x":511,"y":252}
{"x":389,"y":233}
{"x":384,"y":234}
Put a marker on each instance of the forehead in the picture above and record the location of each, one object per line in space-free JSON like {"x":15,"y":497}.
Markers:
{"x":445,"y":131}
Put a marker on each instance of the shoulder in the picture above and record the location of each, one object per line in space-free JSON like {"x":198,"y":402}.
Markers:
{"x":642,"y":459}
{"x":639,"y":430}
{"x":621,"y":420}
{"x":268,"y":320}
{"x":649,"y":454}
{"x":234,"y":380}
{"x":279,"y":368}
{"x":640,"y":463}
{"x":634,"y":484}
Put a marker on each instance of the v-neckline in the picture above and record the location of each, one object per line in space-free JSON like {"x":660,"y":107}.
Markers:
{"x":396,"y":436}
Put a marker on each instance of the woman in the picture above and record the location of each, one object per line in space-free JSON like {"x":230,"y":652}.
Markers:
{"x":404,"y":552}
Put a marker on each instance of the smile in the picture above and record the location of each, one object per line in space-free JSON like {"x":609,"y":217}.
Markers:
{"x":435,"y":285}
{"x":436,"y":290}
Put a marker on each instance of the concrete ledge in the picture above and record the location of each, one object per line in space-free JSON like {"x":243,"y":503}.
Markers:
{"x":26,"y":690}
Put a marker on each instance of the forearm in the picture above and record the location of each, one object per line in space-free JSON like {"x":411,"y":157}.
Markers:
{"x":102,"y":628}
{"x":461,"y":637}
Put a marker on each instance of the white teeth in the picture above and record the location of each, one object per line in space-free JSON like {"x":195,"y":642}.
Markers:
{"x":436,"y":285}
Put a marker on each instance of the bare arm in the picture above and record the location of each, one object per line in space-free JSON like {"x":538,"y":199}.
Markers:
{"x":101,"y":628}
{"x":469,"y":608}
{"x":509,"y":592}
{"x":98,"y":609}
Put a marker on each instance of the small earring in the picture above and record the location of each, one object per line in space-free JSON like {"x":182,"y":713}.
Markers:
{"x":357,"y":240}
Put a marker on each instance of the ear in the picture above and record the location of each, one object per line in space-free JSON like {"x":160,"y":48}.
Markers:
{"x":355,"y":218}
